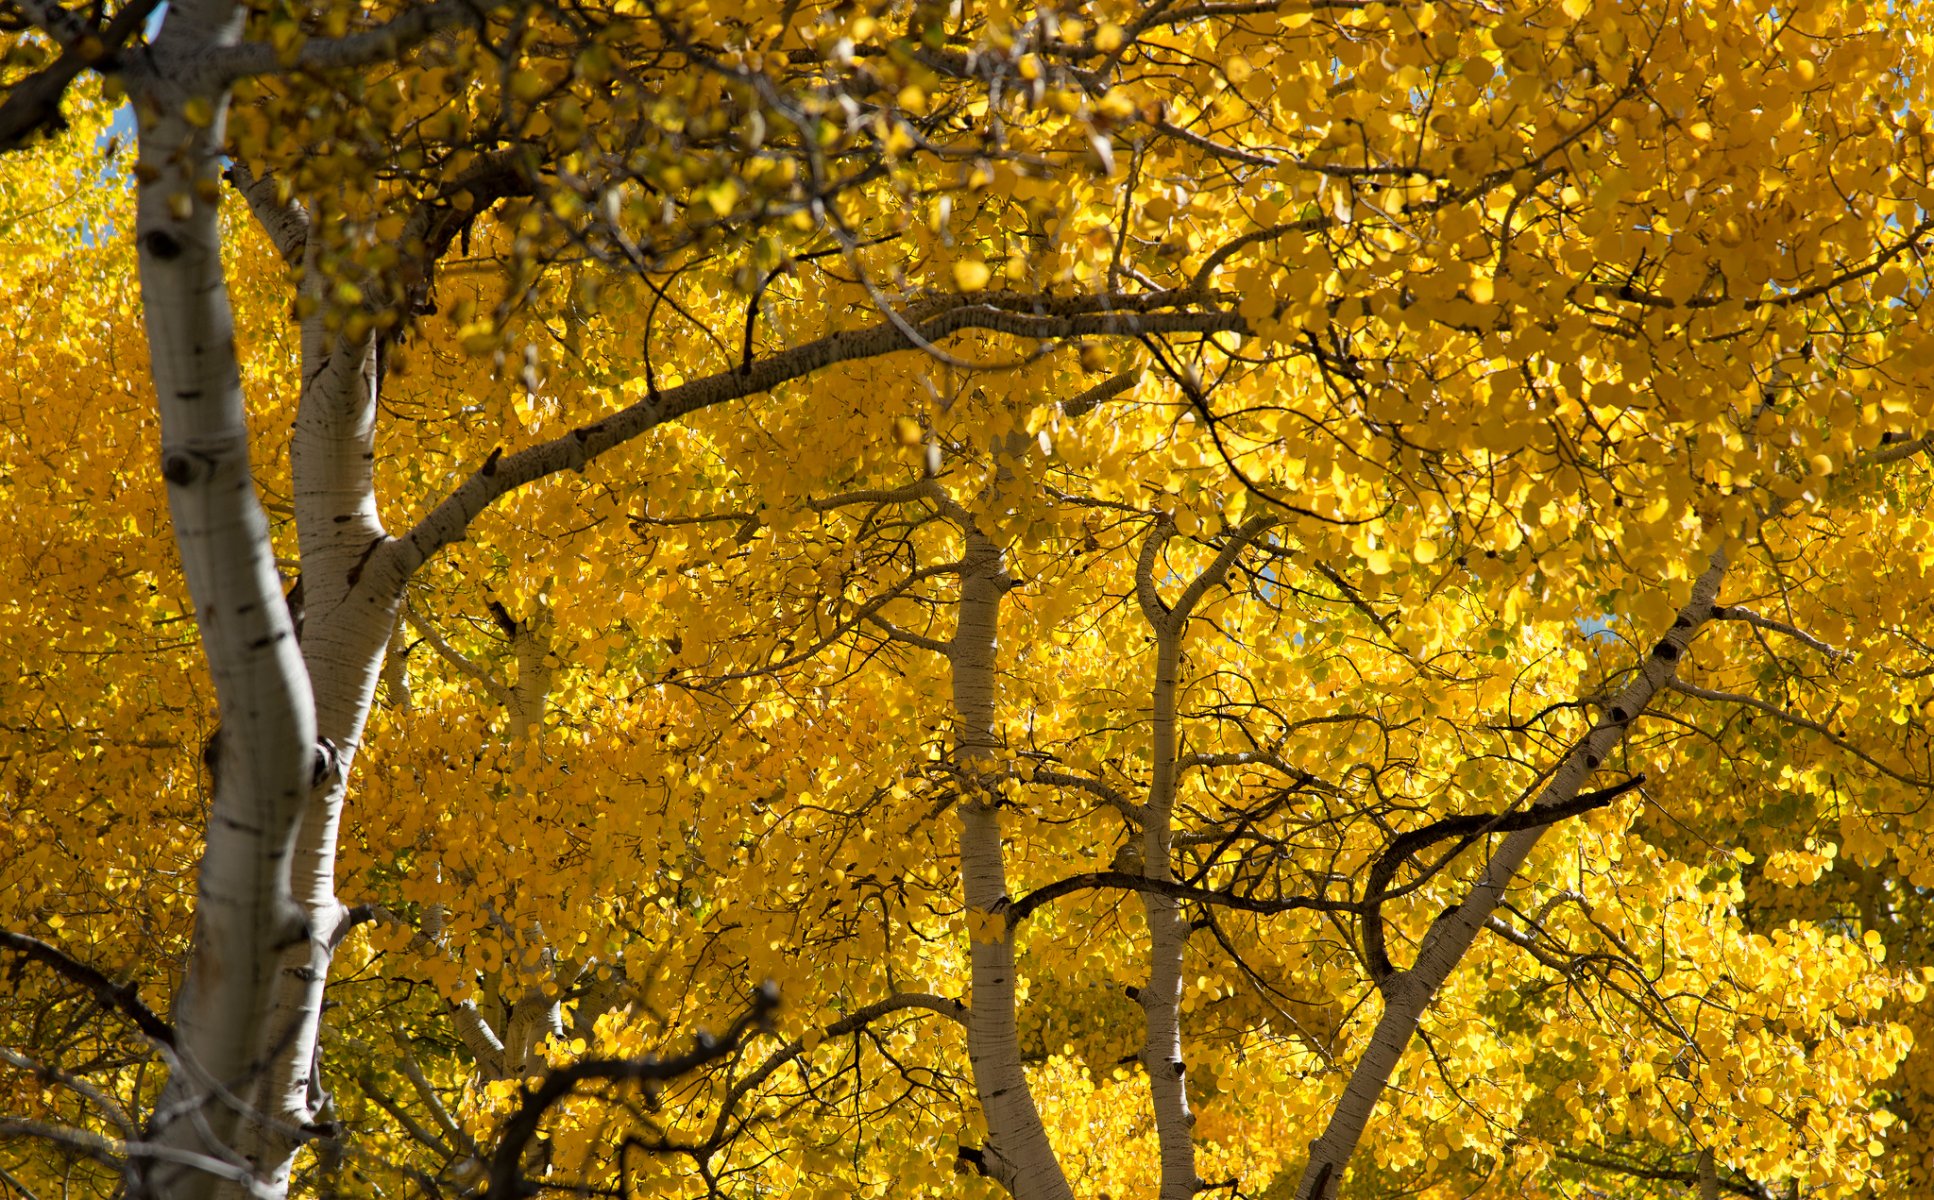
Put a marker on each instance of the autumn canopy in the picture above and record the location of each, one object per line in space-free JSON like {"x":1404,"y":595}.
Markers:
{"x":1105,"y":598}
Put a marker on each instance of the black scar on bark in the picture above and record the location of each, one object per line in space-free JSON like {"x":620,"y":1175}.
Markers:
{"x":1666,"y":650}
{"x":162,"y":244}
{"x":177,"y":468}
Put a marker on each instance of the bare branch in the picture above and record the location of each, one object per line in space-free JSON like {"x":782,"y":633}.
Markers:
{"x":860,"y":1018}
{"x":1467,"y":830}
{"x":897,"y":634}
{"x":113,"y":1153}
{"x":1093,"y":398}
{"x":507,"y":1181}
{"x":33,"y":104}
{"x":1733,"y":612}
{"x":456,"y":658}
{"x":109,"y":1106}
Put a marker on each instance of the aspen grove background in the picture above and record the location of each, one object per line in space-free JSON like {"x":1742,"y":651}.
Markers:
{"x":794,"y":599}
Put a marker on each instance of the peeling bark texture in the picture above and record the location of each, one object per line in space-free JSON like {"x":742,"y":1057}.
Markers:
{"x":1017,"y":1154}
{"x":1410,"y":992}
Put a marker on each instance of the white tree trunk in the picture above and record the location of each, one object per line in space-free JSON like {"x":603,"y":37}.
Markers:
{"x":292,"y":712}
{"x":248,"y":912}
{"x":1168,"y":925}
{"x":346,"y":630}
{"x":1168,"y":938}
{"x":1017,"y":1154}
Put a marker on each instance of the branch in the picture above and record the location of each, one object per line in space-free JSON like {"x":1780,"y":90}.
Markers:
{"x":953,"y":1010}
{"x":896,"y":634}
{"x":1466,"y":829}
{"x":1792,"y":718}
{"x":285,"y":221}
{"x":122,"y":997}
{"x":506,"y":1182}
{"x":1897,"y":453}
{"x":1663,"y":1174}
{"x":381,"y":44}
{"x":1101,"y":393}
{"x":1733,"y":612}
{"x":1408,"y":995}
{"x":1032,"y":317}
{"x":1088,"y":881}
{"x":1238,"y":540}
{"x":455,"y":657}
{"x":115,"y":1153}
{"x":55,"y":20}
{"x":109,"y":1106}
{"x":1108,"y":795}
{"x":33,"y":104}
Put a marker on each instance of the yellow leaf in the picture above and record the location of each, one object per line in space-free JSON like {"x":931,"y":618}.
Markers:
{"x":971,"y":275}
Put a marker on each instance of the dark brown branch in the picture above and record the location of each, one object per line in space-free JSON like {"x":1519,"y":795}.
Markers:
{"x":1466,"y":829}
{"x":853,"y":1022}
{"x":33,"y":104}
{"x":121,"y":997}
{"x":507,"y":1181}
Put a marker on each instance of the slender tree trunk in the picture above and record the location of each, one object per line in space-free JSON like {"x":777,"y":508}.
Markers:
{"x":1408,"y":994}
{"x":1168,"y":925}
{"x":346,"y":631}
{"x":1017,"y":1153}
{"x":292,"y":711}
{"x":1168,"y":937}
{"x":267,"y":763}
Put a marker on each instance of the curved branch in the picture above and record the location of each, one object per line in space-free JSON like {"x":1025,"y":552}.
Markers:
{"x":1467,"y":830}
{"x":121,"y":997}
{"x":33,"y":104}
{"x":383,"y":43}
{"x":1795,"y":719}
{"x":1044,"y":319}
{"x":521,"y":1129}
{"x":952,"y":1009}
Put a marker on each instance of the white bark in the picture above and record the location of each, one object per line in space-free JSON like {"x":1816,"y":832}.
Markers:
{"x":533,"y":1019}
{"x":1407,"y":994}
{"x":248,"y":911}
{"x":292,"y":714}
{"x":1017,"y":1154}
{"x":1168,"y":926}
{"x":482,"y":1041}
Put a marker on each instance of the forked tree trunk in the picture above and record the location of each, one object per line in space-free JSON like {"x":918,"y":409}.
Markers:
{"x":244,"y":1085}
